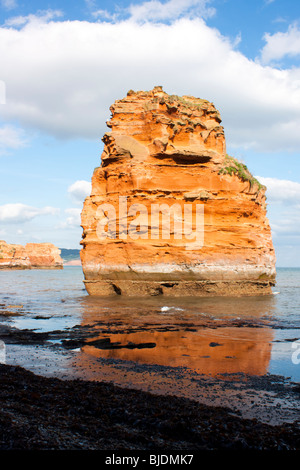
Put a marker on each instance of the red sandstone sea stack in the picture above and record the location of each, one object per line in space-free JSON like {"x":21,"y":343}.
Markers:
{"x":170,"y":213}
{"x":30,"y":256}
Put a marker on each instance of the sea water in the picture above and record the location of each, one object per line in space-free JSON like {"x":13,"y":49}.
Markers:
{"x":252,"y":335}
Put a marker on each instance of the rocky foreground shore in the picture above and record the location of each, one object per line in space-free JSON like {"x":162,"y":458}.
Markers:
{"x":39,"y":413}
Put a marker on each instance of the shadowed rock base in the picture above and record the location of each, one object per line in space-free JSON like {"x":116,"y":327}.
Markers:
{"x":178,"y":289}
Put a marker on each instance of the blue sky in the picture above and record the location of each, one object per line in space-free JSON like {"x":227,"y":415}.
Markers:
{"x":63,"y":64}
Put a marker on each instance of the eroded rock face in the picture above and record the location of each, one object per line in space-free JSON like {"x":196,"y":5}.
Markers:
{"x":170,"y":213}
{"x":30,"y":256}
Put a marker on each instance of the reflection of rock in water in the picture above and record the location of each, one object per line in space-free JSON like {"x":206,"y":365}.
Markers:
{"x":206,"y":351}
{"x":2,"y":352}
{"x":207,"y":336}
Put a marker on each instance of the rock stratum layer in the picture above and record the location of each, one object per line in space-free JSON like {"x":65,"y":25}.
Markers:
{"x":30,"y":256}
{"x":170,"y":212}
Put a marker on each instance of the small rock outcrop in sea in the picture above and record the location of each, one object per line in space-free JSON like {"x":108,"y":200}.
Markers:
{"x":30,"y":256}
{"x":170,"y":212}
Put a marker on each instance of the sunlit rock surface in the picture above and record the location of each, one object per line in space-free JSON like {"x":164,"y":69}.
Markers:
{"x":30,"y":256}
{"x":170,"y":213}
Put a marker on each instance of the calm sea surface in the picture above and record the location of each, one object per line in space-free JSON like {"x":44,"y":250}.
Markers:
{"x":254,"y":335}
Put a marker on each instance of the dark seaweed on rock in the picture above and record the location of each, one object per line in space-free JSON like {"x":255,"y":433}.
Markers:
{"x":38,"y":413}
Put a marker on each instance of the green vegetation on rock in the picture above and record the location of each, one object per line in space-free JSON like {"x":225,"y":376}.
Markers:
{"x":233,"y":167}
{"x":189,"y":103}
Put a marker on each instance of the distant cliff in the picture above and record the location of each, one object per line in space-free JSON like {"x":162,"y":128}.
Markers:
{"x":70,"y":257}
{"x":30,"y":256}
{"x":170,"y":212}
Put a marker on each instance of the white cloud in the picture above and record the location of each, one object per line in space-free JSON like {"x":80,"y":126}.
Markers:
{"x":73,"y":219}
{"x":42,"y":16}
{"x":279,"y":45}
{"x":284,"y":191}
{"x":2,"y":92}
{"x":283,"y":198}
{"x":155,"y":10}
{"x":20,"y":213}
{"x":76,"y":69}
{"x":286,"y":227}
{"x":280,"y":19}
{"x":104,"y":14}
{"x":11,"y":138}
{"x":9,"y":4}
{"x":80,"y":190}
